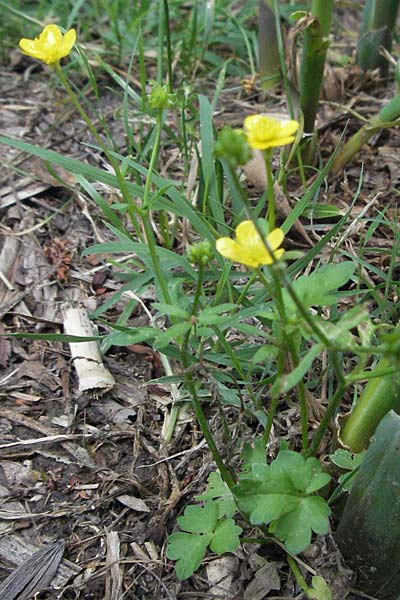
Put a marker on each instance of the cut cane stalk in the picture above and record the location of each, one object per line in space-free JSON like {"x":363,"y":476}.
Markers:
{"x":92,"y":374}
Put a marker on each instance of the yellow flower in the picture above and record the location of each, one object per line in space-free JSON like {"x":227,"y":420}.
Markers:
{"x":264,"y":132}
{"x":50,"y":46}
{"x":249,"y":248}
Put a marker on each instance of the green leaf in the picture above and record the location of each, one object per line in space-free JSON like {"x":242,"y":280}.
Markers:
{"x":253,"y":454}
{"x":198,"y":519}
{"x":316,"y":289}
{"x":279,"y":495}
{"x":320,"y":589}
{"x":202,"y":529}
{"x":171,"y":310}
{"x":295,"y":527}
{"x":134,"y":336}
{"x":218,"y":490}
{"x":285,"y":383}
{"x":55,"y":337}
{"x":188,"y":550}
{"x":171,"y":333}
{"x":226,"y":537}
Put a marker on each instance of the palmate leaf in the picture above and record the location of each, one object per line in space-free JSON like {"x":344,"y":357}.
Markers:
{"x":295,"y":527}
{"x":202,"y":529}
{"x":279,"y":495}
{"x":188,"y":550}
{"x":218,"y":490}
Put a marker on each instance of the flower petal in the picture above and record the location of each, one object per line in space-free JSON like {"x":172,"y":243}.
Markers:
{"x":68,"y":42}
{"x":235,"y":252}
{"x":275,"y":238}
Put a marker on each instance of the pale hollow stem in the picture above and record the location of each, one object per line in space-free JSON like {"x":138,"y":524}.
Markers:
{"x":133,"y":210}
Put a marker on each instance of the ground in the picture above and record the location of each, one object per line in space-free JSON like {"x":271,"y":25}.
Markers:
{"x":93,"y":470}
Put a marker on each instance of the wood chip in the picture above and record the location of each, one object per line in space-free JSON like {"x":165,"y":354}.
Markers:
{"x":133,"y":503}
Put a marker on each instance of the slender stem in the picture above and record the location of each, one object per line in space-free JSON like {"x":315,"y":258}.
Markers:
{"x":331,"y":408}
{"x":153,"y":159}
{"x":158,"y":272}
{"x":150,"y":238}
{"x":168,"y":40}
{"x":281,"y":361}
{"x":201,"y":418}
{"x":120,"y":178}
{"x":298,"y":576}
{"x":270,"y":188}
{"x":253,"y":276}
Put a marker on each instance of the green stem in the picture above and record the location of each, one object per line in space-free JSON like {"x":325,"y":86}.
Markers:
{"x":270,"y":188}
{"x":150,"y":238}
{"x":133,"y":212}
{"x":268,"y":49}
{"x":313,"y":60}
{"x":201,"y":419}
{"x":158,"y":272}
{"x":168,"y":40}
{"x":332,"y":407}
{"x":378,"y":397}
{"x":298,"y":576}
{"x":387,"y":117}
{"x":282,"y":344}
{"x":378,"y":23}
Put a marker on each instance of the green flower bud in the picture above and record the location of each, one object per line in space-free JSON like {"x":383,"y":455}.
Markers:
{"x":200,"y":253}
{"x":232,"y":146}
{"x":160,"y":97}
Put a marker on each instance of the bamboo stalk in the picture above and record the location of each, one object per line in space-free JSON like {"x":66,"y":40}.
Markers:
{"x":313,"y":60}
{"x":386,"y":117}
{"x":378,"y":22}
{"x":268,"y":51}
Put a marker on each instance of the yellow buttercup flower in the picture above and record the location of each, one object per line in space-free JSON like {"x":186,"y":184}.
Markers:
{"x":248,"y":248}
{"x":50,"y":46}
{"x":264,"y":132}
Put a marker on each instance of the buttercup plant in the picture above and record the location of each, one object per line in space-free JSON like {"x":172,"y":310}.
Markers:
{"x":266,"y":325}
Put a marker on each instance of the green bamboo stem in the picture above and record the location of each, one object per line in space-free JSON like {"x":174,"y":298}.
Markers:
{"x":379,"y":19}
{"x":268,"y":50}
{"x":378,"y":397}
{"x":313,"y":60}
{"x":386,"y":117}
